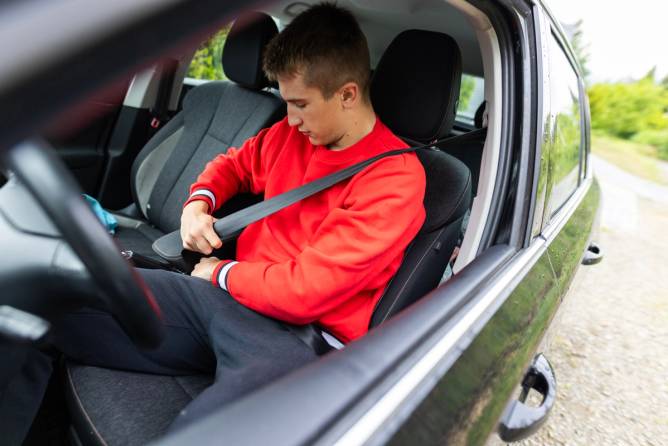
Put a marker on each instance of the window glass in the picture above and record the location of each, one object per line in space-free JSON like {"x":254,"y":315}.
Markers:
{"x":207,"y":61}
{"x":563,"y":133}
{"x":471,"y":95}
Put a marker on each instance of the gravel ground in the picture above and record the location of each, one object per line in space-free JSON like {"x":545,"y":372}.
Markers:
{"x":610,"y":351}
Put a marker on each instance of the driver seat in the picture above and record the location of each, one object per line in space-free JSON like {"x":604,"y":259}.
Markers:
{"x":216,"y":116}
{"x":117,"y":407}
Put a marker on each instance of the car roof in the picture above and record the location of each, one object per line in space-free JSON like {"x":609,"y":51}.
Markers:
{"x":382,"y":20}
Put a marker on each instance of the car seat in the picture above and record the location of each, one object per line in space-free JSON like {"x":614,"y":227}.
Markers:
{"x":215,"y":116}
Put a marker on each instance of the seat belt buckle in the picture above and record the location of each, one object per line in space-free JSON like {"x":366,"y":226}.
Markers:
{"x":155,"y":123}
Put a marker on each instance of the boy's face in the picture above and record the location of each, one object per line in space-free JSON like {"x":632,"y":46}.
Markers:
{"x":322,"y":120}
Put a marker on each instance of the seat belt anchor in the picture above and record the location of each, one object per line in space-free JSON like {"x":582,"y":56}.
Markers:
{"x":155,"y":123}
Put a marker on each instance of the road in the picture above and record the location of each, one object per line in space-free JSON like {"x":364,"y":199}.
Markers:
{"x":610,"y":351}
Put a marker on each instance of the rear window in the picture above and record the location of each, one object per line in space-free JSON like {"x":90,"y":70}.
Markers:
{"x":471,"y":95}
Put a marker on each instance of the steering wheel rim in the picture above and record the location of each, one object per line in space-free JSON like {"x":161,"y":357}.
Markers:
{"x":124,"y":292}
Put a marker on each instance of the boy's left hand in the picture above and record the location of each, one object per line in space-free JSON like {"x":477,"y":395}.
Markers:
{"x":204,"y":269}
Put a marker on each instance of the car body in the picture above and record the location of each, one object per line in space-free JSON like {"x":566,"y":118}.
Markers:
{"x":447,"y":369}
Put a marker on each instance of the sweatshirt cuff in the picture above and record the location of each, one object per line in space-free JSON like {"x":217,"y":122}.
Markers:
{"x":203,"y":195}
{"x":220,"y":272}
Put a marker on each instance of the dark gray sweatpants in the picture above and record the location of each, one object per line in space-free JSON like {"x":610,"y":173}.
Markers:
{"x":207,"y":331}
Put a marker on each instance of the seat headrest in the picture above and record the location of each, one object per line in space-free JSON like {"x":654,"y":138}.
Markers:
{"x":415,"y":88}
{"x":479,"y":118}
{"x":242,"y":53}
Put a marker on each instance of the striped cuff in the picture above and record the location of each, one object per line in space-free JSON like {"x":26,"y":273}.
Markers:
{"x":219,"y":275}
{"x":203,"y":195}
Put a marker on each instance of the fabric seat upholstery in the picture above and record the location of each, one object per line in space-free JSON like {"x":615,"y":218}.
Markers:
{"x":468,"y":149}
{"x":115,"y":407}
{"x":419,"y":105}
{"x":215,"y":116}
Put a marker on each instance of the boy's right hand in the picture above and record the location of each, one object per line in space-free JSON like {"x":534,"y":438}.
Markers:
{"x":197,"y":228}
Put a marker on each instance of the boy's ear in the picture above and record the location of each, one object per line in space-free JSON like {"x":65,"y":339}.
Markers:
{"x":349,"y":94}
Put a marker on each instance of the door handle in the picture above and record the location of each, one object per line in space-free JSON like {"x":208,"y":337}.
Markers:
{"x":592,"y":255}
{"x":521,"y":420}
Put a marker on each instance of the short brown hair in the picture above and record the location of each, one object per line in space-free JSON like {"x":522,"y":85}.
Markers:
{"x":326,"y":45}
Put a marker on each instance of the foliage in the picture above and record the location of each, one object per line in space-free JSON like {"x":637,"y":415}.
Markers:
{"x":565,"y":151}
{"x":656,"y":138}
{"x":207,"y":61}
{"x":624,"y":109}
{"x":465,"y":91}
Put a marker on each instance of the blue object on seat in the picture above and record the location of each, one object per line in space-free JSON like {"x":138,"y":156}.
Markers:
{"x":106,"y":218}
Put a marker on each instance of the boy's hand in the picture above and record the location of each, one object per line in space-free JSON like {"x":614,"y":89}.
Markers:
{"x":197,"y":228}
{"x":204,"y":269}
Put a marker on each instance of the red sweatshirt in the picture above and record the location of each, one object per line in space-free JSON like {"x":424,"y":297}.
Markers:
{"x":328,"y":258}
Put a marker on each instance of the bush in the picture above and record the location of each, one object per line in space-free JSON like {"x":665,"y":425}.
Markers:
{"x":206,"y":63}
{"x":625,"y":109}
{"x":656,"y":138}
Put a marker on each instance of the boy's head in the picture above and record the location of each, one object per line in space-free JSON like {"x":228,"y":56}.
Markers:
{"x":325,"y":45}
{"x":321,"y":63}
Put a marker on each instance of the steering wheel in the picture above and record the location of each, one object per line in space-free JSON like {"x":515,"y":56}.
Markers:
{"x":123,"y":291}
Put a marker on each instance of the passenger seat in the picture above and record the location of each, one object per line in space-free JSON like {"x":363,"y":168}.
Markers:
{"x":468,"y":147}
{"x":215,"y":116}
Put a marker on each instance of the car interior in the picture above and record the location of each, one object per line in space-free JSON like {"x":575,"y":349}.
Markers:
{"x":140,"y":167}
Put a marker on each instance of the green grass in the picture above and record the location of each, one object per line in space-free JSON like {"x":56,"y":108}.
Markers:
{"x":639,"y":159}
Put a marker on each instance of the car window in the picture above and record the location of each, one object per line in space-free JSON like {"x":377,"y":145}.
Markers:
{"x":565,"y":137}
{"x":471,"y":95}
{"x":206,"y":64}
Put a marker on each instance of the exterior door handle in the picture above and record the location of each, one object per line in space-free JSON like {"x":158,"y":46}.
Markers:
{"x":520,"y":420}
{"x":592,"y":255}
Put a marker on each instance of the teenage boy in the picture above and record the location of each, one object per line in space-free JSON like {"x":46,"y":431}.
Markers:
{"x":324,"y":260}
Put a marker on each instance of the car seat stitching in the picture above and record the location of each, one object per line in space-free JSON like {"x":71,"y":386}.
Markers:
{"x":176,"y":378}
{"x":83,"y":410}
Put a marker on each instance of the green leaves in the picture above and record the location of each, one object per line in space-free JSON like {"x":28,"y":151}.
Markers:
{"x":631,"y":108}
{"x":207,"y":61}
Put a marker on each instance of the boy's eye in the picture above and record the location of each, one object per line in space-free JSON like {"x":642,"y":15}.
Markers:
{"x":300,"y":104}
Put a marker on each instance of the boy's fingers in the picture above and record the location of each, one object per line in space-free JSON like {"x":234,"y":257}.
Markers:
{"x":212,"y":238}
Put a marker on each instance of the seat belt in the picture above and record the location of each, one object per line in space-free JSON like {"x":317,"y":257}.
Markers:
{"x":170,"y":246}
{"x":160,"y":113}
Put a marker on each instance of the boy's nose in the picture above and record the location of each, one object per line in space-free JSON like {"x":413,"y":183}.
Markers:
{"x":293,"y":120}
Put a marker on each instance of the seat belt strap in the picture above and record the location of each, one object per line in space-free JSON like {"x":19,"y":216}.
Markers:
{"x":160,"y":113}
{"x":231,"y":225}
{"x":170,"y":246}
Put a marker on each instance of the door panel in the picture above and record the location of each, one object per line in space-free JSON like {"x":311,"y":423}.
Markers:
{"x":467,"y":402}
{"x":569,"y":245}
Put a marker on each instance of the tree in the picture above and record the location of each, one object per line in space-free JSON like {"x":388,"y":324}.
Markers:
{"x":465,"y":91}
{"x":207,"y":61}
{"x":624,"y":109}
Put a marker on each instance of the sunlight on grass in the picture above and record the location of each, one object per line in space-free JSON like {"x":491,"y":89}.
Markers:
{"x":638,"y":159}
